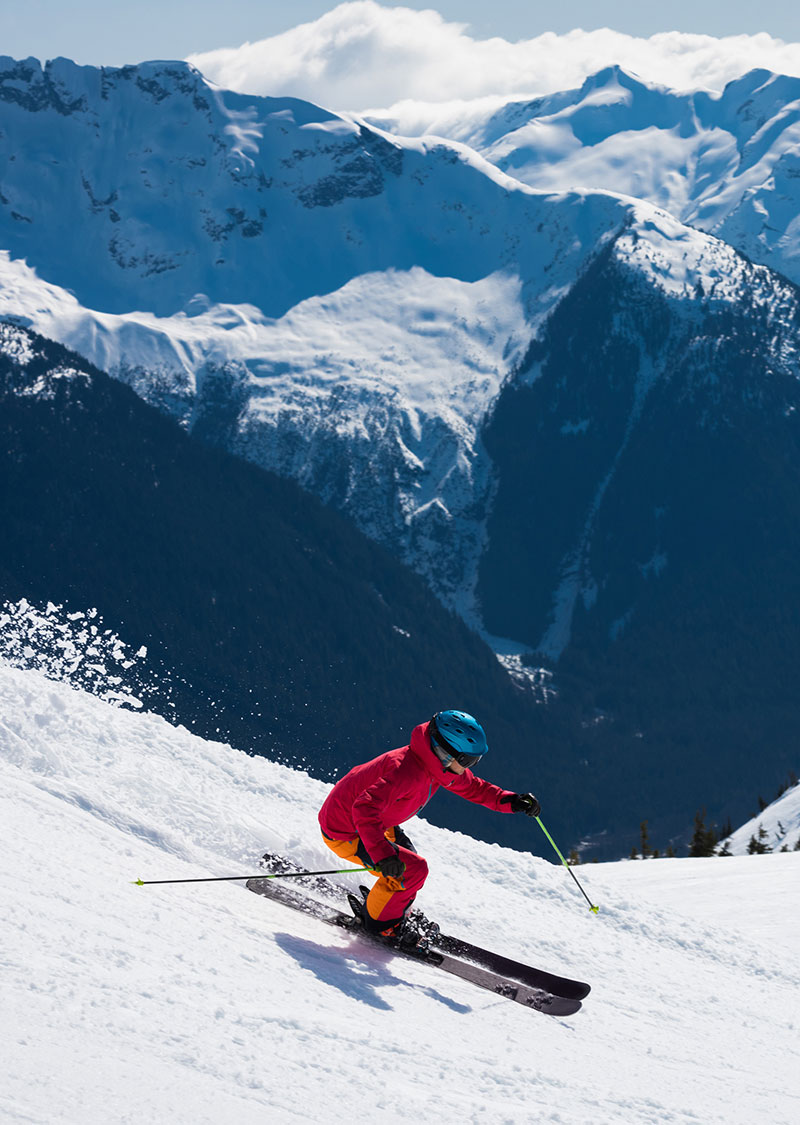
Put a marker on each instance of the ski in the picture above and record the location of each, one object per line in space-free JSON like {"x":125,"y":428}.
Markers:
{"x":530,"y":997}
{"x":456,"y":947}
{"x":536,"y":978}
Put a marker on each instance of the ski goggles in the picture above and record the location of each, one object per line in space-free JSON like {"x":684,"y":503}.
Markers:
{"x":447,"y":755}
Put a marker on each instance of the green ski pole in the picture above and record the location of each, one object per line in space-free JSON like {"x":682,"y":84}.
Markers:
{"x":594,"y":909}
{"x":260,"y":875}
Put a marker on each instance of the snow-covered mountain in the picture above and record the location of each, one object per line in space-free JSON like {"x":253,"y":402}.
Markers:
{"x":726,"y":162}
{"x":339,"y":305}
{"x":205,"y":1003}
{"x":345,"y":304}
{"x":143,"y":187}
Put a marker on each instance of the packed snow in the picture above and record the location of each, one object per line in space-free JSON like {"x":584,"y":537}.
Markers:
{"x":205,"y":1003}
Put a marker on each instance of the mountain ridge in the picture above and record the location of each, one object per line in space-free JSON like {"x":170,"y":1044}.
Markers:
{"x":726,"y":162}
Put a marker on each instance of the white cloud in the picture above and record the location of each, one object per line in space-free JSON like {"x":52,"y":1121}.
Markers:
{"x":361,"y":55}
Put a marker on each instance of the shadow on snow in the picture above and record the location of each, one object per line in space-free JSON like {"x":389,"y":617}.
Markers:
{"x":357,"y":972}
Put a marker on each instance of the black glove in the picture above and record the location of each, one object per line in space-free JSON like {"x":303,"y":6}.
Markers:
{"x":402,"y":840}
{"x":523,"y":802}
{"x":392,"y":867}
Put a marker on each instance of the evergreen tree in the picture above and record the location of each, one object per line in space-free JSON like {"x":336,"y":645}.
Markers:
{"x":645,"y":840}
{"x":705,"y":838}
{"x":790,"y":783}
{"x":759,"y":845}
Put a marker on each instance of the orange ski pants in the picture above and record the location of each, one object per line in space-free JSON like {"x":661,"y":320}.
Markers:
{"x":389,"y":899}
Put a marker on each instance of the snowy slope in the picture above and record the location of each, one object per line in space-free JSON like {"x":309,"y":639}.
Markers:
{"x":203,"y":1004}
{"x":779,"y":820}
{"x":726,"y":162}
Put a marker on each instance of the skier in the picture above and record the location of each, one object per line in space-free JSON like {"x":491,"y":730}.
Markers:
{"x":361,"y":818}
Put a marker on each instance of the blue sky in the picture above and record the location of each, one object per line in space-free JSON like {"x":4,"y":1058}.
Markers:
{"x":113,"y":32}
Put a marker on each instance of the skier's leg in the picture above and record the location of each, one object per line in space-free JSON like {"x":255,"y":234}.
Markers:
{"x":389,"y":899}
{"x":347,"y":849}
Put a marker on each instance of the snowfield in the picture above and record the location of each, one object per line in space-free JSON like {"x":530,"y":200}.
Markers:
{"x":208,"y":1004}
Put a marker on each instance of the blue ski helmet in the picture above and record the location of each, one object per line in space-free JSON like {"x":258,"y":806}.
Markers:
{"x":456,"y":735}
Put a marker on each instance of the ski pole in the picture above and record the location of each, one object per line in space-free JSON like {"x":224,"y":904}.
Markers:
{"x":594,"y":909}
{"x":261,"y":875}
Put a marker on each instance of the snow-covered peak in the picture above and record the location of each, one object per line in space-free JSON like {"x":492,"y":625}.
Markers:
{"x":66,"y":88}
{"x":251,"y":200}
{"x":726,"y":161}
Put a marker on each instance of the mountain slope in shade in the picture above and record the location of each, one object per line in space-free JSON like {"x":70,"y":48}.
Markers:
{"x":281,"y":626}
{"x":727,"y":163}
{"x":371,"y":397}
{"x":645,"y":526}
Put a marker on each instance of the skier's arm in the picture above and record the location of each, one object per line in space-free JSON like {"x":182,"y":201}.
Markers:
{"x":481,"y":792}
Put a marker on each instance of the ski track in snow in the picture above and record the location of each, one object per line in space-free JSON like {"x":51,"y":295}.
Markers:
{"x":206,"y":1003}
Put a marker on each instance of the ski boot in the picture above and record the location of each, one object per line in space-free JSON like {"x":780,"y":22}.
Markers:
{"x":413,"y":933}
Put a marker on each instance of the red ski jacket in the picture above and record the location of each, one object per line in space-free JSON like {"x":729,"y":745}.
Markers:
{"x":383,"y":793}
